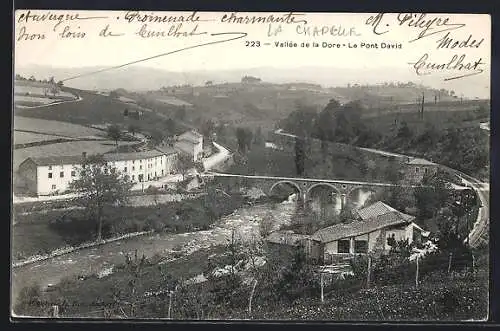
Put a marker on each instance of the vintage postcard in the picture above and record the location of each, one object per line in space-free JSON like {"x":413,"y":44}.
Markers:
{"x":250,"y":166}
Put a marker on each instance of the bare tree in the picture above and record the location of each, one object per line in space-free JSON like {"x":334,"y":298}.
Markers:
{"x":98,"y":186}
{"x":115,"y":133}
{"x":184,"y":164}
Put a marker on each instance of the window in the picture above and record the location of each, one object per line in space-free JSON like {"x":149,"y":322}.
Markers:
{"x":133,"y":168}
{"x":416,"y":170}
{"x":61,"y":174}
{"x":343,"y":246}
{"x":50,"y":167}
{"x":73,"y":173}
{"x":125,"y":169}
{"x":140,"y":167}
{"x":133,"y":177}
{"x":50,"y":175}
{"x":53,"y":187}
{"x":162,"y":173}
{"x":113,"y":170}
{"x":106,"y":171}
{"x":361,"y":246}
{"x":425,"y":170}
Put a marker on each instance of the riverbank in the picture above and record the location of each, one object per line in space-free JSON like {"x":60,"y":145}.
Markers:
{"x":39,"y":230}
{"x":244,"y":221}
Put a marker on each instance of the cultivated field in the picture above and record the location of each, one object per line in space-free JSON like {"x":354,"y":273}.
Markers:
{"x":66,"y":148}
{"x":28,"y":137}
{"x":94,"y":109}
{"x":173,"y":101}
{"x":32,"y":94}
{"x":38,"y":90}
{"x":55,"y":128}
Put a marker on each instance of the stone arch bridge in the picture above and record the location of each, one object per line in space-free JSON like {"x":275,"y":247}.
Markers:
{"x":304,"y":186}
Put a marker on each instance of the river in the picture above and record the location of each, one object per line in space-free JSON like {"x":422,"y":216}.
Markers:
{"x":244,"y":221}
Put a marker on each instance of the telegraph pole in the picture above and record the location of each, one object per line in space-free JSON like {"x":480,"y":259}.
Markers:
{"x":422,"y":107}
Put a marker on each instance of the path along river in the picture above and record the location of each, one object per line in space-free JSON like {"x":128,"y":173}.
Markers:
{"x":244,"y":221}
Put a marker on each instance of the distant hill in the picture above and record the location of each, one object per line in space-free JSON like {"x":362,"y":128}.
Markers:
{"x":138,"y":78}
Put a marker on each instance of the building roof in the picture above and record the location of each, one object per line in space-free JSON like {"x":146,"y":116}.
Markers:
{"x":418,"y":161}
{"x":379,"y":208}
{"x":191,"y":136}
{"x":357,"y":228}
{"x":286,"y":238}
{"x":167,"y":150}
{"x":78,"y":159}
{"x":56,"y":160}
{"x":132,"y":156}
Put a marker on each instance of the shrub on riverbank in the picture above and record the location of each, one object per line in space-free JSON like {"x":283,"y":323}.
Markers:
{"x":438,"y":297}
{"x":39,"y":233}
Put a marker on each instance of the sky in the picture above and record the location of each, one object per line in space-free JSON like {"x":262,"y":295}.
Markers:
{"x":94,"y":50}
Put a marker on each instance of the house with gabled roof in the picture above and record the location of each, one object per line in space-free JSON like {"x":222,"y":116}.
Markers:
{"x":373,"y":231}
{"x":191,"y":143}
{"x":48,"y":175}
{"x":415,"y":169}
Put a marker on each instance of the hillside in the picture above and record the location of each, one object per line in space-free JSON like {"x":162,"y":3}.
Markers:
{"x":138,"y":78}
{"x":96,"y":109}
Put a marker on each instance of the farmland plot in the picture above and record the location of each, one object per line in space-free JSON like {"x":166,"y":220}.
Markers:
{"x":28,"y":137}
{"x":38,"y":90}
{"x":62,"y":129}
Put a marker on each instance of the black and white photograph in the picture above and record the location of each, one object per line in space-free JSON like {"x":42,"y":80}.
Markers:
{"x":262,"y":166}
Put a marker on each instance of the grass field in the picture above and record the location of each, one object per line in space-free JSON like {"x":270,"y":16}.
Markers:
{"x":29,"y":137}
{"x":30,"y":94}
{"x":95,"y":109}
{"x":38,"y":90}
{"x":54,"y":128}
{"x":66,"y":148}
{"x":441,"y":119}
{"x":173,"y":101}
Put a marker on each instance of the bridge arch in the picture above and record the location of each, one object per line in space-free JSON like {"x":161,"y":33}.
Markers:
{"x":352,"y":199}
{"x":288,"y":182}
{"x":333,"y":187}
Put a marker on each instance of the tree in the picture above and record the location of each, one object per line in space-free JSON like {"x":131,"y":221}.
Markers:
{"x":185,"y":162}
{"x":258,"y":138}
{"x":433,"y":195}
{"x":156,"y":137}
{"x":98,"y":186}
{"x":133,"y":129}
{"x":266,"y":224}
{"x":207,"y":129}
{"x":115,"y":133}
{"x":300,"y":155}
{"x":244,"y":137}
{"x":180,"y":113}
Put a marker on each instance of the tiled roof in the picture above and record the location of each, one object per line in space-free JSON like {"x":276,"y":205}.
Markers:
{"x":166,"y":150}
{"x":379,"y":208}
{"x":356,"y":228}
{"x":418,"y":161}
{"x":191,"y":136}
{"x":132,"y":156}
{"x":77,"y":159}
{"x":56,"y":160}
{"x":286,"y":238}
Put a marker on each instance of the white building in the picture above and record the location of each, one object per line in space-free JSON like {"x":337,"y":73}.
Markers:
{"x":191,"y":143}
{"x":372,"y":231}
{"x":53,"y":174}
